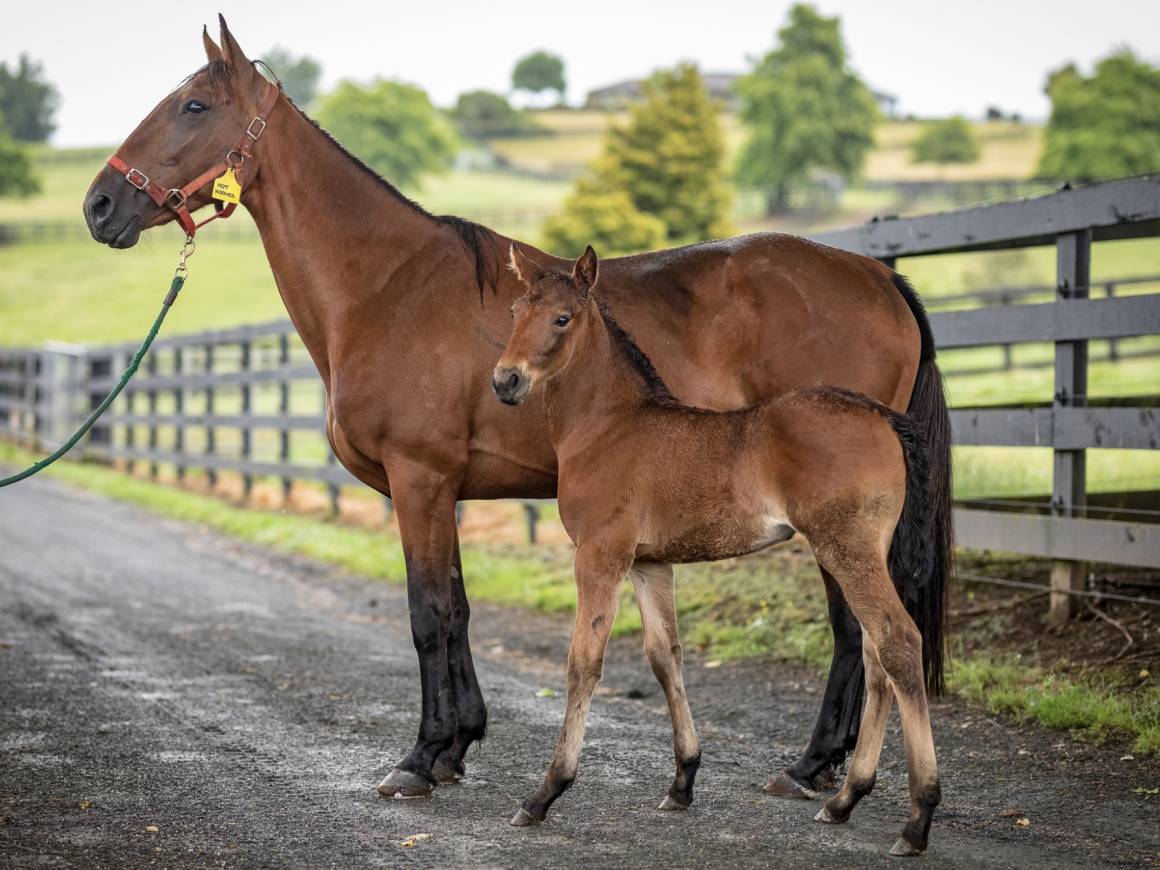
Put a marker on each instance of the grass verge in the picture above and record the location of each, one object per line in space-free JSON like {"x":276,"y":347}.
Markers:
{"x":770,"y":606}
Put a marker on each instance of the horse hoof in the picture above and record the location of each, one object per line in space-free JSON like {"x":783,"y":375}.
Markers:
{"x":825,"y":817}
{"x":669,"y":804}
{"x":903,"y":849}
{"x":404,"y":785}
{"x":445,"y":774}
{"x":524,"y":819}
{"x":784,"y":785}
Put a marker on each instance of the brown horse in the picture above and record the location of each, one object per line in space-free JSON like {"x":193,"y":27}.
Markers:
{"x":645,"y":481}
{"x":405,"y":313}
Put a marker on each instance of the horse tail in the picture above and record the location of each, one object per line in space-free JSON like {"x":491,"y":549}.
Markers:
{"x":921,"y":569}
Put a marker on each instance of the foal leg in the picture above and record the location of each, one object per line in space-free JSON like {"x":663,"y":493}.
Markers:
{"x":654,"y":593}
{"x":425,"y":507}
{"x":836,"y":730}
{"x":598,"y":577}
{"x":864,"y":764}
{"x":470,"y":710}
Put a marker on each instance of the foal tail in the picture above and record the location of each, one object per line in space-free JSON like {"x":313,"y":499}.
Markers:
{"x":922,"y":552}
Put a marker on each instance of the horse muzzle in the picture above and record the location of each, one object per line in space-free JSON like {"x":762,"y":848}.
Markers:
{"x":114,"y":214}
{"x":511,"y":385}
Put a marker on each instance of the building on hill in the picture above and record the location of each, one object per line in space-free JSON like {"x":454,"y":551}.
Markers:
{"x":720,"y":84}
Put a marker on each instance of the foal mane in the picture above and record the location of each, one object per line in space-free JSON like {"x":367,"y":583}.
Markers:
{"x":656,"y":390}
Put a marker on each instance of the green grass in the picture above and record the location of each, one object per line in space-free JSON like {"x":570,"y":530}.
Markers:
{"x":771,"y":606}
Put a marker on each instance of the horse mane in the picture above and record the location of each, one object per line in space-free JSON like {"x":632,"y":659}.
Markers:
{"x":656,"y":390}
{"x":481,"y":243}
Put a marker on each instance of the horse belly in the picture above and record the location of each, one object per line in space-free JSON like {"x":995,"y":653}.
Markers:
{"x":707,"y":540}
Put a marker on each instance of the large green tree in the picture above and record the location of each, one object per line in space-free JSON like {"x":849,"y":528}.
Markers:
{"x":480,"y":114}
{"x":27,"y":101}
{"x":669,"y":157}
{"x":538,"y":72}
{"x":950,"y":140}
{"x":594,"y":214}
{"x":390,"y":125}
{"x":299,"y":74}
{"x":16,"y":176}
{"x":804,"y":107}
{"x":1104,"y":125}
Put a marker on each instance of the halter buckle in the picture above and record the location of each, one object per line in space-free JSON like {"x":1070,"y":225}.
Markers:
{"x":175,"y":199}
{"x":251,"y":132}
{"x":137,"y":178}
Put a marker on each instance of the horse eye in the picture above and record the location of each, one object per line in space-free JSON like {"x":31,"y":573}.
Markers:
{"x":194,"y":107}
{"x":562,"y":320}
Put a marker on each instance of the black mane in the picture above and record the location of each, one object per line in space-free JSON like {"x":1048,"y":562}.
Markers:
{"x":655,"y":388}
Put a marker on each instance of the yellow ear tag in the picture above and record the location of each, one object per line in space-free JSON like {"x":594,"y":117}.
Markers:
{"x":226,"y":187}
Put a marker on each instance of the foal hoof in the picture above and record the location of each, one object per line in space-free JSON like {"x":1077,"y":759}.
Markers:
{"x":445,"y":773}
{"x":670,"y":804}
{"x":404,"y":785}
{"x":784,"y":785}
{"x":524,"y":819}
{"x":824,"y":815}
{"x":903,"y":849}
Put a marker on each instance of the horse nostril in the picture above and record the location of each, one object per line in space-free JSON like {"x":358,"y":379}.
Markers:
{"x":100,"y":207}
{"x":513,"y":380}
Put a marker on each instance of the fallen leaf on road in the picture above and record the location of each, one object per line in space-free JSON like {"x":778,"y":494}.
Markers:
{"x":713,"y":664}
{"x":1007,"y":814}
{"x":1144,"y":674}
{"x":413,"y":839}
{"x":545,"y":693}
{"x":151,"y":829}
{"x":86,"y":804}
{"x":1023,"y":822}
{"x":1127,"y":758}
{"x":1142,"y":790}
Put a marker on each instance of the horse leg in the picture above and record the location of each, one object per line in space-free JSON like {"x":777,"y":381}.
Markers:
{"x":425,"y":508}
{"x":654,"y":593}
{"x":864,"y":764}
{"x":598,"y":576}
{"x":836,"y":730}
{"x":470,"y":710}
{"x":894,"y":638}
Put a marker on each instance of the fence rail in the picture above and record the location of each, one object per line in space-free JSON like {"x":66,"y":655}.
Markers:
{"x":248,"y":400}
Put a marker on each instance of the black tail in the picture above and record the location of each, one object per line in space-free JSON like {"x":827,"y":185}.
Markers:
{"x":928,"y":510}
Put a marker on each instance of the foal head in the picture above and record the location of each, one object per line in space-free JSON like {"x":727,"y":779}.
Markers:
{"x":187,"y":133}
{"x":550,"y":320}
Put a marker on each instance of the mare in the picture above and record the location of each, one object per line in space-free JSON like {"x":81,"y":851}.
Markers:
{"x":405,"y":313}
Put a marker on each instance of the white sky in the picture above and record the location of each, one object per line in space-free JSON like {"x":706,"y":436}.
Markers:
{"x":113,"y":62}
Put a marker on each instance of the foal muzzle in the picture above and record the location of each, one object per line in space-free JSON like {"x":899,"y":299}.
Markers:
{"x":511,"y":385}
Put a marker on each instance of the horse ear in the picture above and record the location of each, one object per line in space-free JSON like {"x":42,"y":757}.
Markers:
{"x":526,"y":269}
{"x":231,"y":52}
{"x":212,"y":52}
{"x":585,"y":271}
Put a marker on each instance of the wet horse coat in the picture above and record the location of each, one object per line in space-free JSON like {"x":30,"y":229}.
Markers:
{"x":405,"y":313}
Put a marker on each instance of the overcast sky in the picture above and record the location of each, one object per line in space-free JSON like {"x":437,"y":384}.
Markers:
{"x":113,"y":63}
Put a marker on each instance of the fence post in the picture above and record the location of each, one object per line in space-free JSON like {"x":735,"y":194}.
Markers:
{"x":1008,"y":361}
{"x":100,"y":366}
{"x":1069,"y":495}
{"x":247,"y":405}
{"x":532,"y":513}
{"x":210,"y":409}
{"x":120,"y":363}
{"x":1113,"y":343}
{"x":30,"y":417}
{"x":284,"y":411}
{"x":179,"y":410}
{"x":151,"y":370}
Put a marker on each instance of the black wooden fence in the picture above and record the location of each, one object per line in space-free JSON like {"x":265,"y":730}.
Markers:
{"x":248,"y":400}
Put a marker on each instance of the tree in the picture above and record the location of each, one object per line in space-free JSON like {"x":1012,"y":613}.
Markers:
{"x":1105,"y":125}
{"x":391,"y":126}
{"x":299,"y":74}
{"x":604,"y":218}
{"x":950,"y":140}
{"x":481,"y":114}
{"x":16,"y":176}
{"x":669,"y":156}
{"x":27,"y":101}
{"x":539,"y":72}
{"x":804,"y":107}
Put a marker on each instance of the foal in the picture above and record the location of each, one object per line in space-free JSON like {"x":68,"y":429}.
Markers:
{"x":645,"y":482}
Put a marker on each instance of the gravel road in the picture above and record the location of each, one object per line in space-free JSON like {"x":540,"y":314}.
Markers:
{"x":170,"y":697}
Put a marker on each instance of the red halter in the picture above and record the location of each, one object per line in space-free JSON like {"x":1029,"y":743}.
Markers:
{"x":176,"y":198}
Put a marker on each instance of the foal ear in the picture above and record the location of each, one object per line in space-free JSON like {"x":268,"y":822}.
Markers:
{"x":526,"y":269}
{"x":231,"y":52}
{"x":212,"y":52}
{"x":585,"y":271}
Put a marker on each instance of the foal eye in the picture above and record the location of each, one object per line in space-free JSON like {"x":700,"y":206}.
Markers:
{"x":194,"y":107}
{"x":562,"y":320}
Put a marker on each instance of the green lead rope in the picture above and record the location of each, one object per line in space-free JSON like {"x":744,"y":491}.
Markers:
{"x":171,"y":297}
